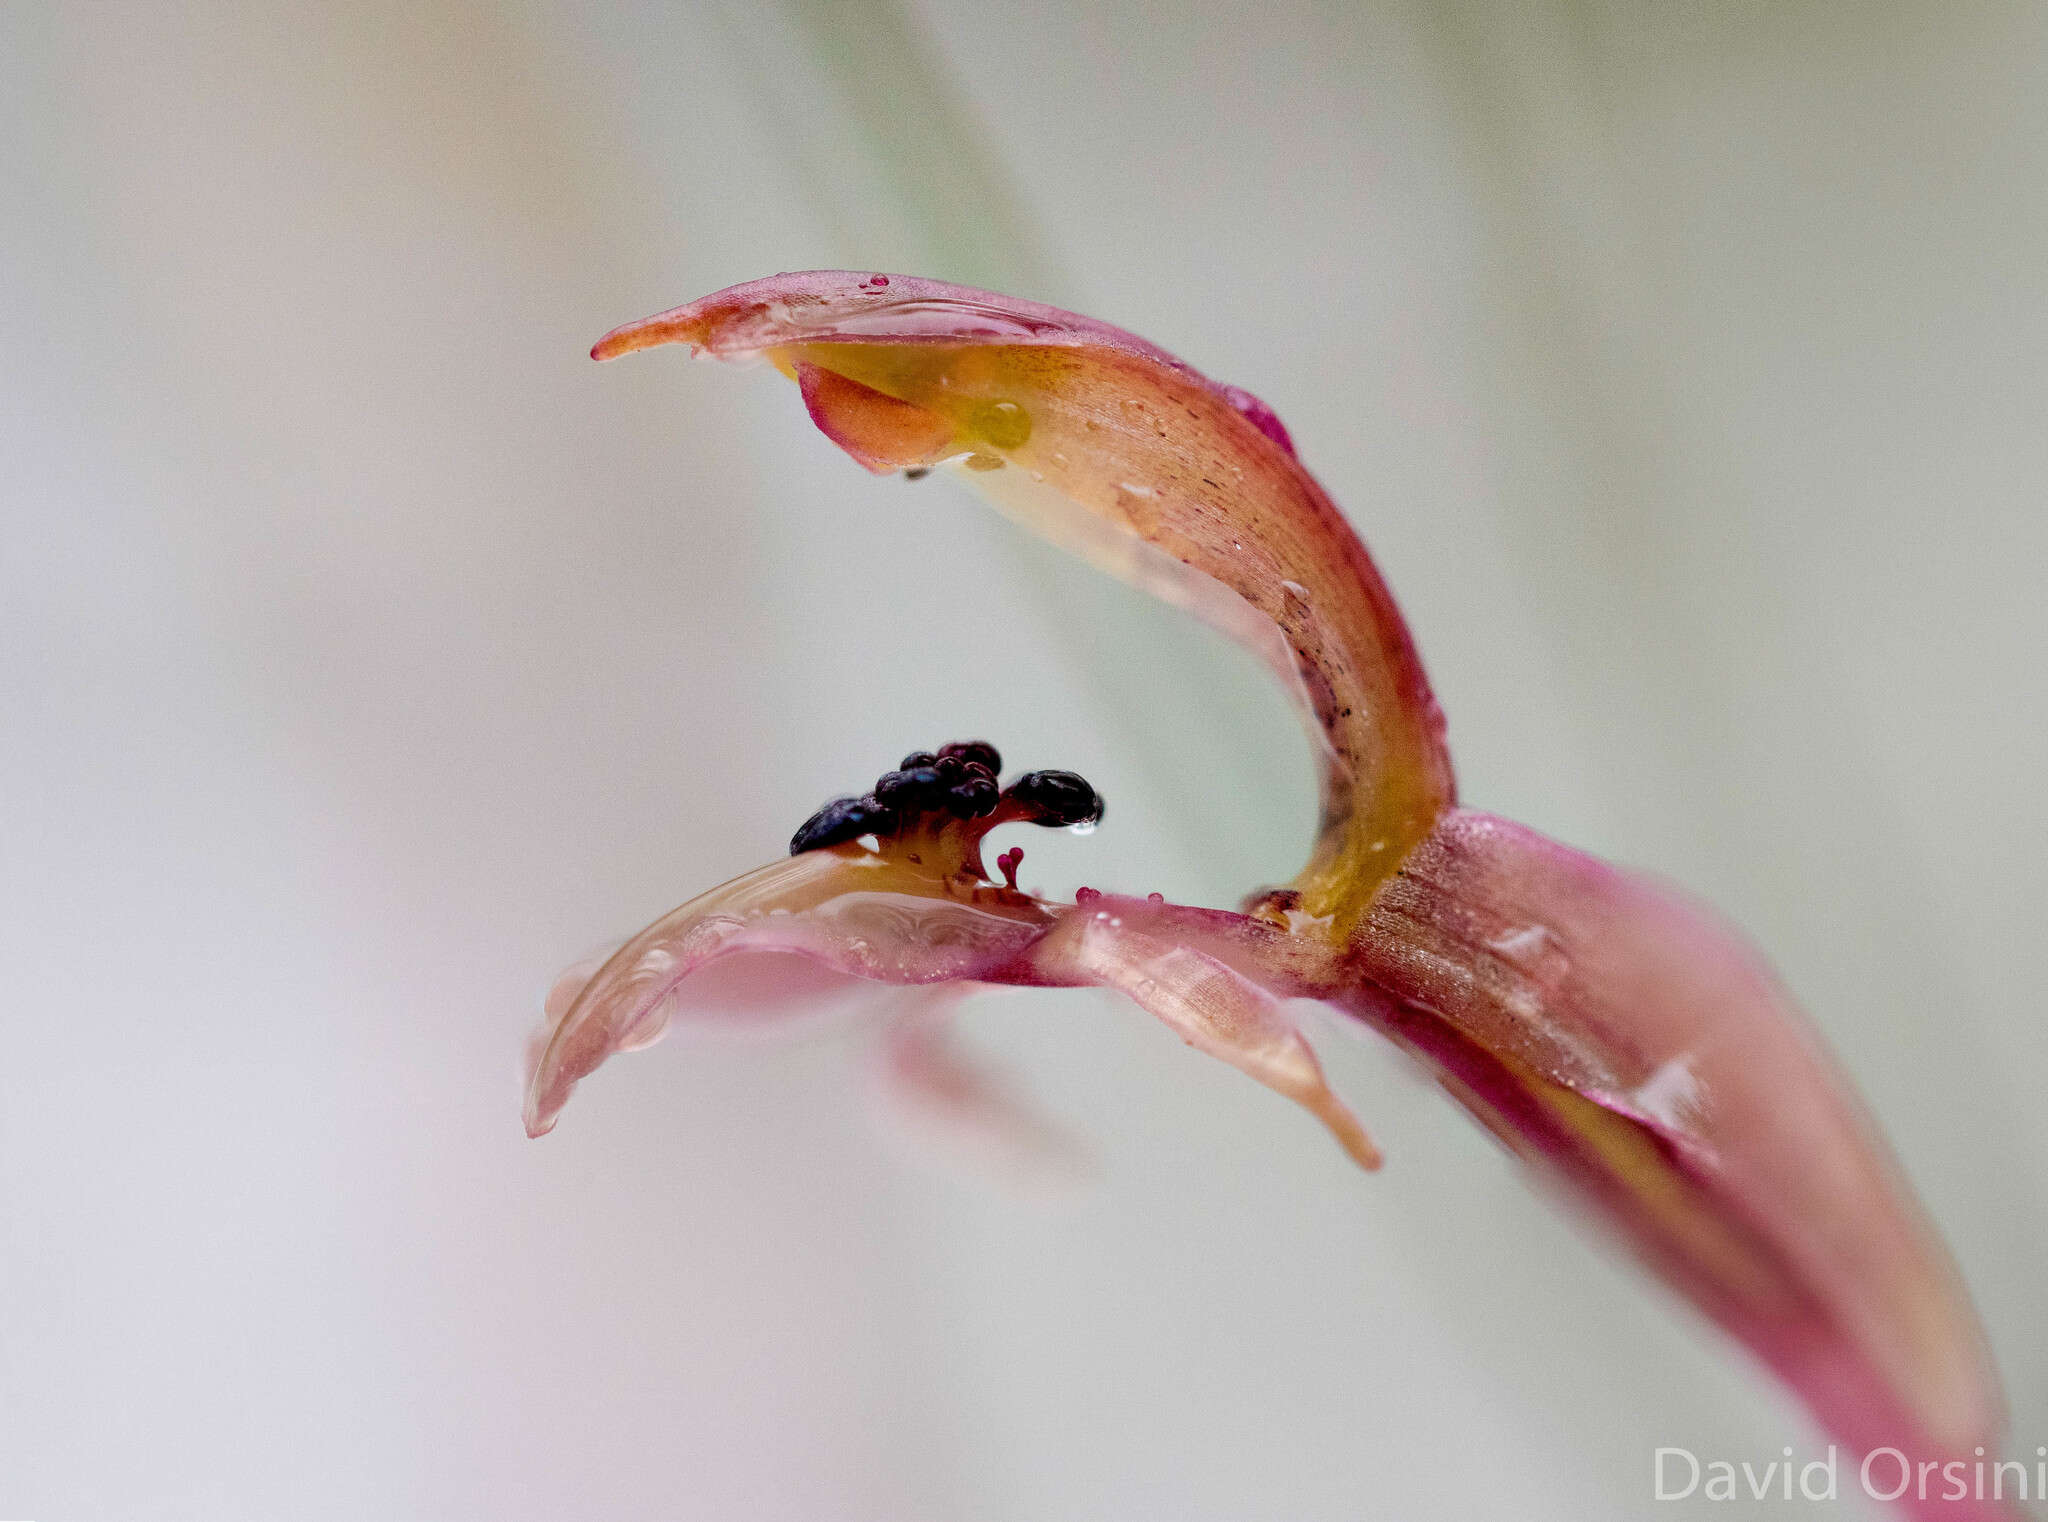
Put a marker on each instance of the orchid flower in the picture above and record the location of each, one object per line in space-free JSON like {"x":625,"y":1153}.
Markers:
{"x":1613,"y":1035}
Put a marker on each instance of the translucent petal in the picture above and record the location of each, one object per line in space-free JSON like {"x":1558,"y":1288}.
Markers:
{"x":850,"y":910}
{"x":1623,"y":1038}
{"x":1117,"y":450}
{"x":1132,"y":946}
{"x":1600,"y":1025}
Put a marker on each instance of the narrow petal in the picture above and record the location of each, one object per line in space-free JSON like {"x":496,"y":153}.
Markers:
{"x":1602,"y":1027}
{"x":1119,"y":451}
{"x":1622,"y":1038}
{"x":1136,"y":947}
{"x":856,"y":912}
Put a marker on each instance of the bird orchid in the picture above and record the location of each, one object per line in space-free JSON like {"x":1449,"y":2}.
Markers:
{"x":1612,"y":1034}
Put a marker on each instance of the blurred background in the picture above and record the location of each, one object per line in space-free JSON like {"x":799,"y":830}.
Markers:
{"x":367,"y":655}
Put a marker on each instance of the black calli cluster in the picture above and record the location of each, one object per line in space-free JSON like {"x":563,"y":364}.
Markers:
{"x":955,"y":782}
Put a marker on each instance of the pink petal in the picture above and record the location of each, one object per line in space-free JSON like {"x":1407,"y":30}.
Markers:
{"x":1623,"y":1039}
{"x":1602,"y":1027}
{"x":1136,"y":947}
{"x":847,"y":306}
{"x":1116,"y":449}
{"x":1218,"y":979}
{"x":846,"y":909}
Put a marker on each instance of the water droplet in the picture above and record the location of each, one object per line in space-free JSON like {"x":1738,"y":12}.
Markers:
{"x":1004,"y":424}
{"x":1672,"y":1093}
{"x":1526,"y":947}
{"x":1085,"y":827}
{"x":1537,"y":954}
{"x":936,"y":318}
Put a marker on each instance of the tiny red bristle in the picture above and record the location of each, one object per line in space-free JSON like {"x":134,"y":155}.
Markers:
{"x":1009,"y":862}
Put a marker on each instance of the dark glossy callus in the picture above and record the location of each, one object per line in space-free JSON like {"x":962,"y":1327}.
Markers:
{"x":956,"y":781}
{"x":841,"y":820}
{"x":972,"y":753}
{"x":972,"y":799}
{"x":1056,"y":798}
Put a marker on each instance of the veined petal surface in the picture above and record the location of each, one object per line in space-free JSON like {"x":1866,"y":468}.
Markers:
{"x":1603,"y":1027}
{"x":849,"y":909}
{"x":1119,"y":451}
{"x":1624,"y":1039}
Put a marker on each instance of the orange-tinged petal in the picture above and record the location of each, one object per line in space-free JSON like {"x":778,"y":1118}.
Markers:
{"x":1601,"y":1026}
{"x":880,"y":432}
{"x":1116,"y":449}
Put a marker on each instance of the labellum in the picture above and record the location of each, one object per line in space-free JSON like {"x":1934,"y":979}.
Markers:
{"x":1615,"y":1036}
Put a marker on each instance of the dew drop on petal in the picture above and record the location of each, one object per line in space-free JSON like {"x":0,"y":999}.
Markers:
{"x":1004,"y":424}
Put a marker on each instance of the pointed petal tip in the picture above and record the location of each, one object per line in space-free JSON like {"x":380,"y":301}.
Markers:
{"x":545,"y":1097}
{"x":854,"y":306}
{"x":1159,"y":956}
{"x":683,"y":325}
{"x":906,"y":372}
{"x":1351,"y":1136}
{"x":1622,"y":1038}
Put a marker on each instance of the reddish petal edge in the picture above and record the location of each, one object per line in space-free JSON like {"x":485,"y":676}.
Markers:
{"x":1120,"y":452}
{"x":1142,"y":950}
{"x":1219,"y":980}
{"x":1622,"y":1039}
{"x":1603,"y":1028}
{"x":845,"y":909}
{"x":853,"y":306}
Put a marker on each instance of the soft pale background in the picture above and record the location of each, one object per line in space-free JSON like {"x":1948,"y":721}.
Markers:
{"x":367,"y":654}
